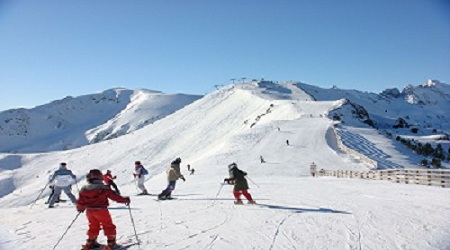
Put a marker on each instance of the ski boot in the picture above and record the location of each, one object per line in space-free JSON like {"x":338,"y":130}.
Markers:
{"x":144,"y":193}
{"x":111,"y":245}
{"x":238,"y":202}
{"x":91,"y":244}
{"x":251,"y":202}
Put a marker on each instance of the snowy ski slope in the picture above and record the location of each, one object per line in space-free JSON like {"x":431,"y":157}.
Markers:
{"x":236,"y":124}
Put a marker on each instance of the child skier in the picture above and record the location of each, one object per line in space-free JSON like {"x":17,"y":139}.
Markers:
{"x":109,"y":180}
{"x":62,"y":180}
{"x":94,"y":199}
{"x":173,"y":174}
{"x":140,"y":177}
{"x":237,"y":177}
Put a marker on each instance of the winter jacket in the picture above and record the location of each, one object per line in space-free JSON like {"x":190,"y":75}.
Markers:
{"x":138,"y":171}
{"x":238,"y":177}
{"x":63,"y":177}
{"x":96,"y":195}
{"x":174,"y":172}
{"x":107,"y":178}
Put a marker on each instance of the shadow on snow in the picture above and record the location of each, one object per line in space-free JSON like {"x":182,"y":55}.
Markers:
{"x":303,"y":210}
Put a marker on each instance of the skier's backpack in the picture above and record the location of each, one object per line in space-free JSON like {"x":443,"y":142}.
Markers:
{"x":144,"y":171}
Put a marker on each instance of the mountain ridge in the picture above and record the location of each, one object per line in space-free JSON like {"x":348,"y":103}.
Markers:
{"x":73,"y":122}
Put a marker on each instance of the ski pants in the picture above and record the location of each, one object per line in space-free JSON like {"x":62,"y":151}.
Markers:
{"x":112,"y":184}
{"x":237,"y":194}
{"x":140,"y":183}
{"x":66,"y":190}
{"x":168,"y":191}
{"x":100,"y":219}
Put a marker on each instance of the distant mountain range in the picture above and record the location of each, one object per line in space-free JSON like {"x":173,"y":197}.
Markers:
{"x":77,"y":121}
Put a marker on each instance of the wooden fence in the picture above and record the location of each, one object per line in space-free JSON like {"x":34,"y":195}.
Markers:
{"x":431,"y":177}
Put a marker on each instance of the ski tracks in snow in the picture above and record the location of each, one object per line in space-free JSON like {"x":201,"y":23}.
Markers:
{"x":277,"y":232}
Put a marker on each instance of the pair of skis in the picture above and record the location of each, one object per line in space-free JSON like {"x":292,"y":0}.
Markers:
{"x":106,"y":247}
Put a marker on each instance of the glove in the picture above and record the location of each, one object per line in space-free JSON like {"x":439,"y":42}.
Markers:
{"x":226,"y":180}
{"x":134,"y":175}
{"x":80,"y":210}
{"x":182,"y":177}
{"x":127,"y":203}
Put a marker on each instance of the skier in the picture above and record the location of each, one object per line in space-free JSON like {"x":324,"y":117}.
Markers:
{"x":262,"y":159}
{"x":109,"y":180}
{"x":140,"y":177}
{"x":94,"y":199}
{"x":173,"y":174}
{"x":237,"y":178}
{"x":62,"y":180}
{"x":287,"y":142}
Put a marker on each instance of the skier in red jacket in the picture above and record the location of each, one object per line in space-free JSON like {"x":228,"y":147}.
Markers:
{"x":94,"y":199}
{"x":109,"y":180}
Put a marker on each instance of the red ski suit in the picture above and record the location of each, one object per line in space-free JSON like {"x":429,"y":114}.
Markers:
{"x":94,"y":199}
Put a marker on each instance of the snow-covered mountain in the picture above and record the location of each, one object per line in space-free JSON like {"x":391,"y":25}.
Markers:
{"x":418,"y":113}
{"x":291,"y":125}
{"x":425,"y":106}
{"x":77,"y":121}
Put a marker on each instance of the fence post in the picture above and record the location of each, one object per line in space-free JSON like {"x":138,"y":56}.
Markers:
{"x":443,"y":177}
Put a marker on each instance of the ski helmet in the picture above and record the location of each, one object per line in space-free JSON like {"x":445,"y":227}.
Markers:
{"x":177,"y":160}
{"x":232,"y":165}
{"x":137,"y":163}
{"x":94,"y":174}
{"x":62,"y":165}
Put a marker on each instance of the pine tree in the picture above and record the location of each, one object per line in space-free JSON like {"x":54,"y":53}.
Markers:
{"x":427,"y":149}
{"x":436,"y":163}
{"x":424,"y":162}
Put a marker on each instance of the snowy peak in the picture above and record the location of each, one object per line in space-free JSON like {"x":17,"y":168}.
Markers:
{"x":76,"y":121}
{"x":431,"y":92}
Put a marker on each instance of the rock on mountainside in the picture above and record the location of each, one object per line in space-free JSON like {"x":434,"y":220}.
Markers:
{"x":77,"y":121}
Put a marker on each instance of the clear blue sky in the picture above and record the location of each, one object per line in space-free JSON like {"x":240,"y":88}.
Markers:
{"x":50,"y":49}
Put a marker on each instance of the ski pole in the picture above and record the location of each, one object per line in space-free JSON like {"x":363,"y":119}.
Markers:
{"x":218,"y":192}
{"x":67,"y":229}
{"x":134,"y":227}
{"x":39,"y":195}
{"x":253,"y":182}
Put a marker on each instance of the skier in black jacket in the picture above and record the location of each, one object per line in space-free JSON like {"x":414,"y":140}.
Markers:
{"x":237,"y":178}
